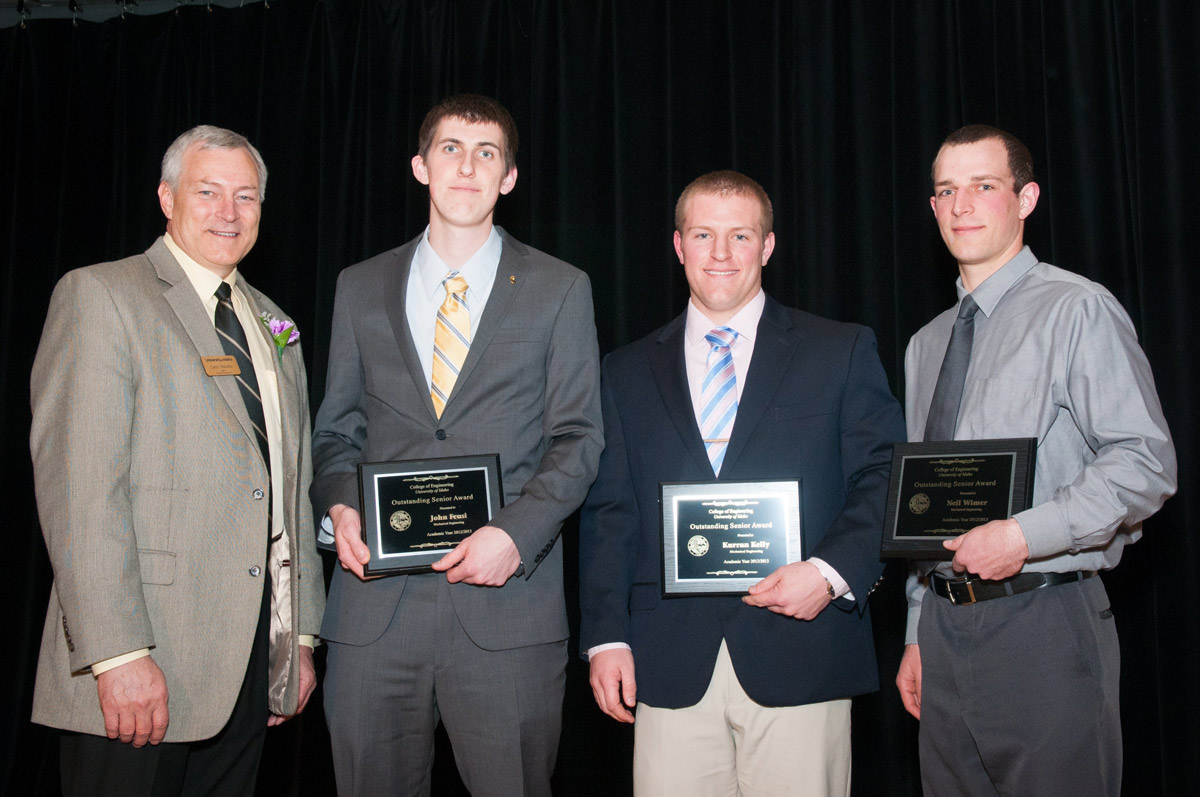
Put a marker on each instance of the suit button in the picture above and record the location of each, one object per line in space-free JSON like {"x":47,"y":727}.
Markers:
{"x":258,"y":495}
{"x":440,"y":434}
{"x":255,"y":571}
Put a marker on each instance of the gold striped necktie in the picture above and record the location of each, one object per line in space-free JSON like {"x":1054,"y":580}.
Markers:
{"x":451,"y":340}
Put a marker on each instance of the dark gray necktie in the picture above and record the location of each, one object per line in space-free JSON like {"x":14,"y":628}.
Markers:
{"x":233,"y":340}
{"x":947,"y":395}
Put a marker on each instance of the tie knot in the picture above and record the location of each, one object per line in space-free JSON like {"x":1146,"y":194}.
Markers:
{"x":968,"y":308}
{"x":224,"y":292}
{"x":455,"y":284}
{"x":721,"y":337}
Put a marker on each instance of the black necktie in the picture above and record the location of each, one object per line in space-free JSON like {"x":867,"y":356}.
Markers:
{"x":233,"y":340}
{"x":947,"y":395}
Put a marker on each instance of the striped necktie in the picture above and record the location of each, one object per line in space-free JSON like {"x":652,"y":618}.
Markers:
{"x":718,"y":396}
{"x":451,"y":340}
{"x":233,"y":340}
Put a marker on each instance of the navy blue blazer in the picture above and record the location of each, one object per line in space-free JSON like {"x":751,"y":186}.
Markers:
{"x":815,"y":406}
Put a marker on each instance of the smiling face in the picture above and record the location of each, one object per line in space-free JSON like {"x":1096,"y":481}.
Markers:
{"x":465,"y":172}
{"x":723,"y":251}
{"x":213,"y":212}
{"x":980,"y":216}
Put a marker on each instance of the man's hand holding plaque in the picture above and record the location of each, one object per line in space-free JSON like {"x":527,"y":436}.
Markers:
{"x":347,"y":534}
{"x":798,"y":590}
{"x":995,"y":550}
{"x":487,"y":558}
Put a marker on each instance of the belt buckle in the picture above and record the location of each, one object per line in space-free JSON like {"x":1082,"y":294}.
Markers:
{"x":954,"y":601}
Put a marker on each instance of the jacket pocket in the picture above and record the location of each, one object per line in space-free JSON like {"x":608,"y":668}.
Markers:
{"x":643,"y":596}
{"x":158,"y":567}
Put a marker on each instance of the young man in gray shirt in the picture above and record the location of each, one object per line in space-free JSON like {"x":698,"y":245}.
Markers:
{"x":1012,"y":662}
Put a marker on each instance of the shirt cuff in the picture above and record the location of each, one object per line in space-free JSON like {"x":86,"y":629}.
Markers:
{"x":117,"y":661}
{"x":325,"y":532}
{"x":308,"y":640}
{"x":1046,"y":530}
{"x":607,"y":646}
{"x":840,"y":588}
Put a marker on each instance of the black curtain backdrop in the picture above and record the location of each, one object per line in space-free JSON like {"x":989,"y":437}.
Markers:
{"x":835,"y":106}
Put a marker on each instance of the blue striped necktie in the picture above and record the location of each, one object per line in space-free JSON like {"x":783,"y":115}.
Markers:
{"x":718,"y":396}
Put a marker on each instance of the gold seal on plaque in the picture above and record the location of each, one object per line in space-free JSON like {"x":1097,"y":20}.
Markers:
{"x":698,"y":545}
{"x":400,"y":520}
{"x":918,"y":504}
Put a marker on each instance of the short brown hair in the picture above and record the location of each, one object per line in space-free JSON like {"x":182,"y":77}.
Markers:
{"x":476,"y":109}
{"x":1020,"y":162}
{"x":726,"y":183}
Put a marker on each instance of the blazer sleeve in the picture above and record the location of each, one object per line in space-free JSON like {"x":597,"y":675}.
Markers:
{"x":608,"y":534}
{"x":870,"y":423}
{"x":340,"y":431}
{"x":82,"y":393}
{"x":311,"y":574}
{"x":572,"y":427}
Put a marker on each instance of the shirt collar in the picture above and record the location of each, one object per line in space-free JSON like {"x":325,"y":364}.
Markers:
{"x":745,"y":322}
{"x":989,"y":293}
{"x":203,"y":280}
{"x":480,"y":268}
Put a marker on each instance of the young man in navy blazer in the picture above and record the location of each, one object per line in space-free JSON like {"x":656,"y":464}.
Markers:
{"x":752,"y":692}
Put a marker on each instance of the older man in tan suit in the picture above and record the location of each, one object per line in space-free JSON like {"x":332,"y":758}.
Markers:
{"x":170,"y":443}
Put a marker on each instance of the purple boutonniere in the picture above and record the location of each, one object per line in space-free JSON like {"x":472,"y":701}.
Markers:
{"x":284,"y":333}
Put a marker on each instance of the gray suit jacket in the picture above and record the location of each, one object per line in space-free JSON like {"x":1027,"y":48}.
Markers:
{"x":529,"y":390}
{"x":153,"y":500}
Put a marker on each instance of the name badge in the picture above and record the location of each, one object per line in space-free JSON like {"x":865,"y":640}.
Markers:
{"x":225,"y":365}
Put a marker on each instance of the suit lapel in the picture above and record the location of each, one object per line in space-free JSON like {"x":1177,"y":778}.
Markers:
{"x":504,"y":292}
{"x":773,"y":349}
{"x":670,"y":377}
{"x":181,"y":296}
{"x":395,"y":303}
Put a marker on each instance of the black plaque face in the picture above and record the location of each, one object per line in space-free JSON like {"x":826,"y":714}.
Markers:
{"x":721,"y":538}
{"x":943,"y":489}
{"x":415,"y":511}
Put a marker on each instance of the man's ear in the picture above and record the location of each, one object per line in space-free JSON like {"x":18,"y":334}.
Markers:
{"x":768,"y":247}
{"x":419,"y":170}
{"x":166,"y":199}
{"x":509,"y":181}
{"x":1028,"y":197}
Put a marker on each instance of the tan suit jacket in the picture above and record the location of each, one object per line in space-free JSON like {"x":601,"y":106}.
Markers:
{"x":153,"y":500}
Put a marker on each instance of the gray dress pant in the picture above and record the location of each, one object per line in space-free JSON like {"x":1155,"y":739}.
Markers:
{"x":1019,"y":695}
{"x":502,"y":709}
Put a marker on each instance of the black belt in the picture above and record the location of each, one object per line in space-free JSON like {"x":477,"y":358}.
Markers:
{"x":965,"y":591}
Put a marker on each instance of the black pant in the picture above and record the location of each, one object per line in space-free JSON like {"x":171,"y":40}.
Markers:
{"x":226,"y":764}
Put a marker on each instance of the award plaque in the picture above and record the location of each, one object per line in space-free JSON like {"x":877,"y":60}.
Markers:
{"x":413,"y":512}
{"x":721,"y":538}
{"x":942,"y":489}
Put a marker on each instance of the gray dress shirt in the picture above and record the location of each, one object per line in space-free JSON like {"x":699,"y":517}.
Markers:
{"x":1055,"y":357}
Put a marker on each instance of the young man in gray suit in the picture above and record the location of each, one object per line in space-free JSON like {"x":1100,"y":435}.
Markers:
{"x":170,"y":444}
{"x":481,"y":642}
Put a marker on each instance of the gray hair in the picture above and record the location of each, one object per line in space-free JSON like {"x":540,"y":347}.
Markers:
{"x":210,"y":137}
